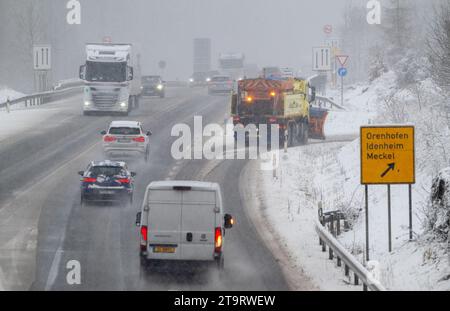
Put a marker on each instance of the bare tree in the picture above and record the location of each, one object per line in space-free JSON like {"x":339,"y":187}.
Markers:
{"x":31,"y":29}
{"x":438,"y":45}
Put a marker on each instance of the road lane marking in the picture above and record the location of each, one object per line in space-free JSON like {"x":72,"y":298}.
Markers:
{"x":53,"y":273}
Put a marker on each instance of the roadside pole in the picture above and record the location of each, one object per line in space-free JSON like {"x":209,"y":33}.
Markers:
{"x":410,"y":213}
{"x":7,"y":105}
{"x":389,"y":217}
{"x":367,"y":222}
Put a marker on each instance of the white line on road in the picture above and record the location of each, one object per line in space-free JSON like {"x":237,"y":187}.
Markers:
{"x":53,"y":274}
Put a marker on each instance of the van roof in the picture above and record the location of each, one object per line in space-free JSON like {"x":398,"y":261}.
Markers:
{"x":195,"y":185}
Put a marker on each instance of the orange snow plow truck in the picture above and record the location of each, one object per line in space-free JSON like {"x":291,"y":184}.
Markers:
{"x":287,"y":103}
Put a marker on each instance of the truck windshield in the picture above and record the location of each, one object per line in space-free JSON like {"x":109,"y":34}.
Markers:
{"x":106,"y":72}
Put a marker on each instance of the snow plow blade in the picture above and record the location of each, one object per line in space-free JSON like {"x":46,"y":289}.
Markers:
{"x":316,"y":122}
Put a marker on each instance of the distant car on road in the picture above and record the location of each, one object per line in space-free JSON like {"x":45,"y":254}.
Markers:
{"x":198,"y":79}
{"x":107,"y":181}
{"x":126,"y":137}
{"x":153,"y":86}
{"x":183,"y":221}
{"x":220,"y":84}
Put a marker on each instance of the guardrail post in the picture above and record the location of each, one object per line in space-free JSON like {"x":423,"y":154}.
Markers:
{"x":338,"y":225}
{"x":347,"y":270}
{"x":339,"y":262}
{"x":324,"y":247}
{"x":330,"y":253}
{"x":365,"y":287}
{"x":332,"y":224}
{"x":7,"y":105}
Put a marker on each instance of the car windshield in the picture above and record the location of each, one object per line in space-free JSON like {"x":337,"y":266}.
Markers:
{"x":105,"y":72}
{"x":107,"y":171}
{"x":124,"y":131}
{"x":220,"y":79}
{"x":151,"y":79}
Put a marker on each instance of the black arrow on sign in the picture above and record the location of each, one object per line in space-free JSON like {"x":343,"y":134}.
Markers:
{"x":391,"y":167}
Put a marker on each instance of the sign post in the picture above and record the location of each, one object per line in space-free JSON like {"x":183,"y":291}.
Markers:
{"x":342,"y":59}
{"x":387,"y":158}
{"x":342,"y":73}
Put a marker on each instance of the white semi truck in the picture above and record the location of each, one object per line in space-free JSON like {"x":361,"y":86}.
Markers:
{"x":232,"y":64}
{"x":112,"y":84}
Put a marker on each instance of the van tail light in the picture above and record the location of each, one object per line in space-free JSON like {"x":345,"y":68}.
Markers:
{"x":109,"y":139}
{"x":140,"y":139}
{"x":144,"y":238}
{"x":89,"y":180}
{"x":218,"y":240}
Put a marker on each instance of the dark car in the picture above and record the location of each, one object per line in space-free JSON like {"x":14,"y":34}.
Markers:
{"x":153,"y":86}
{"x":107,"y":181}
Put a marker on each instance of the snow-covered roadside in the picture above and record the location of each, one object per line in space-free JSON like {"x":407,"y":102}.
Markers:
{"x":329,"y":173}
{"x":20,"y":119}
{"x":6,"y":93}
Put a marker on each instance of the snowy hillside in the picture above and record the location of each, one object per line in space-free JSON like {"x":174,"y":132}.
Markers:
{"x":332,"y":177}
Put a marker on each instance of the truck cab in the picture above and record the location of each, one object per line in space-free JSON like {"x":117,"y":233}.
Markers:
{"x":110,"y":84}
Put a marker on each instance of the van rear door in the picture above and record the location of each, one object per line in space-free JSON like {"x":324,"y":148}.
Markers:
{"x":164,"y":224}
{"x":198,"y":225}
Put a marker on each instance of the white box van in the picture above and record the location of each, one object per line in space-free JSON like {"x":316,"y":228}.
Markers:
{"x":183,"y":221}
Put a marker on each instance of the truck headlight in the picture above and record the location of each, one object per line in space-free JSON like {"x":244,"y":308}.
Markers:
{"x":160,"y":87}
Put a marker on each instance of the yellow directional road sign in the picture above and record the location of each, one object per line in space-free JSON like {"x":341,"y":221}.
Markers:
{"x":387,"y":155}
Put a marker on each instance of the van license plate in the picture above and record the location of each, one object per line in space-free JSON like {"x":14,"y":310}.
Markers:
{"x":164,"y":249}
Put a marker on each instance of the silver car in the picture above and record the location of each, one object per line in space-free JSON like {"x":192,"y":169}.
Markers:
{"x":220,"y":84}
{"x":126,"y":137}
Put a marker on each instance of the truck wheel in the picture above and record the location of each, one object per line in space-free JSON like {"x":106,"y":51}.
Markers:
{"x":291,"y":135}
{"x":130,"y":103}
{"x":305,"y":134}
{"x":136,"y":102}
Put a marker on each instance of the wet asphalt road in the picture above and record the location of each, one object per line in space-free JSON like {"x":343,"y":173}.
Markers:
{"x":43,"y":167}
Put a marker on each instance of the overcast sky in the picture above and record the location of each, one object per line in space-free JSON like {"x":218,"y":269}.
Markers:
{"x":269,"y":32}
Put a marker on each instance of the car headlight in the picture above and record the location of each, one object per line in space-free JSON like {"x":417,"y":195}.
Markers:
{"x":123,"y":104}
{"x":160,"y":87}
{"x":191,"y":80}
{"x":208,"y":79}
{"x":87,"y":103}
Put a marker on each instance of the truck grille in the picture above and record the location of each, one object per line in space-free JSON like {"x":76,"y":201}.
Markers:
{"x":105,"y":100}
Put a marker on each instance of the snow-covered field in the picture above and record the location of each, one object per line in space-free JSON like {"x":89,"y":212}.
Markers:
{"x":329,"y":173}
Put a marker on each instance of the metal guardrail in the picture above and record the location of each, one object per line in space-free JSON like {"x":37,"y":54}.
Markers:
{"x":335,"y":249}
{"x":322,"y":102}
{"x":43,"y":98}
